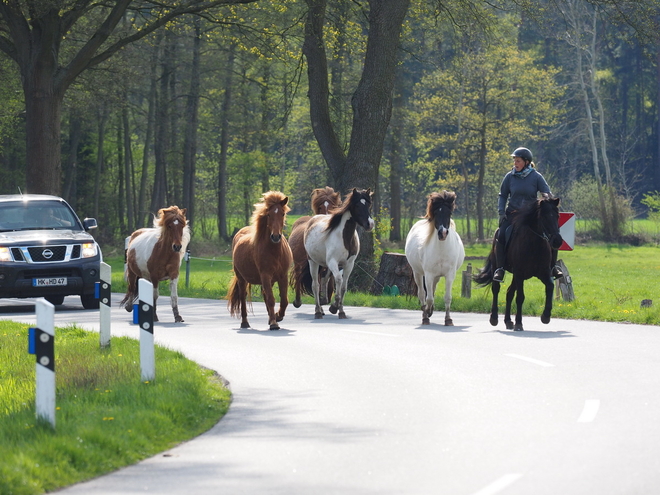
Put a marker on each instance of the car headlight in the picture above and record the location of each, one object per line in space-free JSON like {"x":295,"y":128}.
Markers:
{"x":89,"y":250}
{"x":5,"y":254}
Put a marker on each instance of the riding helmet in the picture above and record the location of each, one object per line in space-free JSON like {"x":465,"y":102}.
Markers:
{"x":523,"y":153}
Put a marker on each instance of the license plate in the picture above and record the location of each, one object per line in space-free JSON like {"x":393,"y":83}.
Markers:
{"x":49,"y":282}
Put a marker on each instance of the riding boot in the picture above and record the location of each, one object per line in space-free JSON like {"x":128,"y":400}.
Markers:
{"x":556,"y":270}
{"x":500,"y":257}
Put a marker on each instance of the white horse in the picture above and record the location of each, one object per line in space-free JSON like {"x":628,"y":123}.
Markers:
{"x":434,"y":249}
{"x":331,"y":241}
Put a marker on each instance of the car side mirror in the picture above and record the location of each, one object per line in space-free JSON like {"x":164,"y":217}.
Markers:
{"x":90,"y":223}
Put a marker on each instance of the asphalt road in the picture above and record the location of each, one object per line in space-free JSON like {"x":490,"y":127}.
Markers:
{"x":378,"y":404}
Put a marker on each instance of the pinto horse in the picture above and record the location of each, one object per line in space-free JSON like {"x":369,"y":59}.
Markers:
{"x":528,"y":254}
{"x":332,"y":241}
{"x":261,"y":256}
{"x":434,"y":249}
{"x":155,"y":254}
{"x":323,"y":200}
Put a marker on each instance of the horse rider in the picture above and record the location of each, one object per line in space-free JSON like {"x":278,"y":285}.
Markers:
{"x":520,"y":186}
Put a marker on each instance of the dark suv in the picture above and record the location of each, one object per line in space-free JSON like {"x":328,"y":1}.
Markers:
{"x":46,"y":251}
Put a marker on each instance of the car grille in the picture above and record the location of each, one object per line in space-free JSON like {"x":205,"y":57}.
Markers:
{"x":47,"y":254}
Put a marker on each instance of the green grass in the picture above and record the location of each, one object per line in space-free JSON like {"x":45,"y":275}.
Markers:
{"x":609,"y":282}
{"x":106,"y":417}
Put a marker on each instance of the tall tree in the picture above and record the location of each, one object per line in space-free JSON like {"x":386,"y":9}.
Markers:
{"x":53,"y":42}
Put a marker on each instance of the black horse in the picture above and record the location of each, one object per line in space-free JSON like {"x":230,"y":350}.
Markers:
{"x":528,"y":254}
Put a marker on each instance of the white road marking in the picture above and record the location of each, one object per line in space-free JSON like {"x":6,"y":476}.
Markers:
{"x":370,"y":333}
{"x":499,"y":485}
{"x":589,"y":412}
{"x":531,"y":360}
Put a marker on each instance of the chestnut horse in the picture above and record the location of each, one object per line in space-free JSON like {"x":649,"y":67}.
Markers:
{"x":332,"y":241}
{"x":155,"y":254}
{"x":261,"y":256}
{"x":528,"y":254}
{"x":323,"y":200}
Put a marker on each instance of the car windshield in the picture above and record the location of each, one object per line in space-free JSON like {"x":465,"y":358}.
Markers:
{"x":36,"y":215}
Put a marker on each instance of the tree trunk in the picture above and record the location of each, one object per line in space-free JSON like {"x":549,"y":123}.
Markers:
{"x":190,"y":141}
{"x":394,"y":270}
{"x":75,"y":131}
{"x":224,"y":145}
{"x":162,"y":143}
{"x":128,"y":171}
{"x":102,"y":119}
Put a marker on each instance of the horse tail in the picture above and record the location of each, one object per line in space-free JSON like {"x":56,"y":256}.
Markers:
{"x":485,"y":275}
{"x":234,"y":297}
{"x":301,"y":279}
{"x":128,"y":299}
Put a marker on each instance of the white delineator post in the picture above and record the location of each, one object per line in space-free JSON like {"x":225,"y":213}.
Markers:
{"x":145,"y":309}
{"x":44,"y":346}
{"x":105,"y":302}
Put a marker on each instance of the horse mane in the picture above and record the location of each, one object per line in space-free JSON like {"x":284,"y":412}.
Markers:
{"x":527,"y":213}
{"x":437,"y":199}
{"x":323,"y":194}
{"x":342,"y":208}
{"x":260,"y":214}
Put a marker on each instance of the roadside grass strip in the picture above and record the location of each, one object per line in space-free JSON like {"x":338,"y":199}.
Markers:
{"x":106,"y":417}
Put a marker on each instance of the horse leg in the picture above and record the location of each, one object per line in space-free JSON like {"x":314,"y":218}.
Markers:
{"x":131,"y":292}
{"x":421,"y":295}
{"x":324,"y":278}
{"x":429,"y":305}
{"x":549,"y":291}
{"x":493,"y":307}
{"x":155,"y":286}
{"x":174,"y":299}
{"x":318,"y":310}
{"x":284,"y":297}
{"x":509,"y":300}
{"x":449,"y":282}
{"x":341,"y":285}
{"x":269,"y":300}
{"x":520,"y":299}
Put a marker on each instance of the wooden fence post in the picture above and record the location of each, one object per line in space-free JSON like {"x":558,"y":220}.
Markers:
{"x":466,"y":286}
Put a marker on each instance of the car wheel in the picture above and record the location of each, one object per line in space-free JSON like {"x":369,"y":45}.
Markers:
{"x":55,"y":300}
{"x":89,"y":301}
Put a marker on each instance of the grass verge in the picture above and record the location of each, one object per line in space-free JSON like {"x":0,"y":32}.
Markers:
{"x":106,"y":417}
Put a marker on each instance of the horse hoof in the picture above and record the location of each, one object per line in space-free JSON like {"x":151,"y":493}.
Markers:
{"x":509,"y":325}
{"x":274,"y":326}
{"x":333,"y":309}
{"x":449,"y":322}
{"x":342,"y":316}
{"x":297,"y":304}
{"x":245,"y":325}
{"x":279,"y":318}
{"x":545,"y":319}
{"x":318,"y":316}
{"x":493,"y":321}
{"x":426,"y":321}
{"x":128,"y":308}
{"x":178,"y":319}
{"x":518,"y":327}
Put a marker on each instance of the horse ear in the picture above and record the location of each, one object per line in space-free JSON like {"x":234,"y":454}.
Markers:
{"x":556,"y":201}
{"x":285,"y":201}
{"x":369,"y":191}
{"x":183,"y":211}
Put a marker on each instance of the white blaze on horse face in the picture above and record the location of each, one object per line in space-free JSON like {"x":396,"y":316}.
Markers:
{"x":363,"y":201}
{"x":326,"y":204}
{"x":176,"y":222}
{"x":276,"y":210}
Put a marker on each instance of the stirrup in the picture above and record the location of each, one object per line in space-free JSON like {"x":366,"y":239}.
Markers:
{"x":557,"y":273}
{"x":498,"y":276}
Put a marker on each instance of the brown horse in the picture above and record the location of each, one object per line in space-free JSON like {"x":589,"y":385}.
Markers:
{"x":155,"y":254}
{"x":323,"y":200}
{"x":261,"y":256}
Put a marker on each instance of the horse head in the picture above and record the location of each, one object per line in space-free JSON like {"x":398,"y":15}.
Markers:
{"x":172,"y":222}
{"x":324,"y":199}
{"x":548,"y":219}
{"x":273,"y":209}
{"x":439,"y":208}
{"x":360,"y":208}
